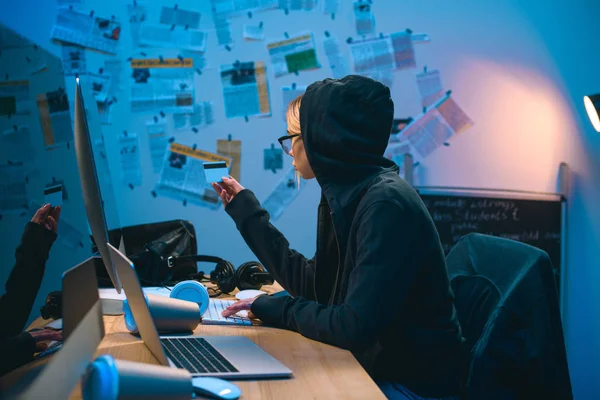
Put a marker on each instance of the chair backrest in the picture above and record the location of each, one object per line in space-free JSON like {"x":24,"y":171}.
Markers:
{"x":507,"y":304}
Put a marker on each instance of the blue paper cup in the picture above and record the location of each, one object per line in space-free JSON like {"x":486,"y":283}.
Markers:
{"x":110,"y":379}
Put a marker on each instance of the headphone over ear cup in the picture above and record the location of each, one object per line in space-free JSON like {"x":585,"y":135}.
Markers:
{"x":224,"y":276}
{"x":252,"y":275}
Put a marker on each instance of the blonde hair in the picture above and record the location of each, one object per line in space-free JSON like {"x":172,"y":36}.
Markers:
{"x":292,"y":116}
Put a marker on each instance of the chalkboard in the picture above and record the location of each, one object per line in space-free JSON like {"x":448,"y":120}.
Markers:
{"x":533,"y":219}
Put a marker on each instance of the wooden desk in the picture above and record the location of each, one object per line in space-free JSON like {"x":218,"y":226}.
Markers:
{"x":320,"y":371}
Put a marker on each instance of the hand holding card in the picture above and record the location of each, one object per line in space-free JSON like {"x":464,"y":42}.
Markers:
{"x":215,"y":171}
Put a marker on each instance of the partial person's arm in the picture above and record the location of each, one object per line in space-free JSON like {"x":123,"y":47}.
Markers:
{"x":16,"y":351}
{"x":293,"y":271}
{"x":387,"y":251}
{"x":25,"y":279}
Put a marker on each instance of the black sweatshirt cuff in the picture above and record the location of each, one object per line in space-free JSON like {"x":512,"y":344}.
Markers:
{"x":37,"y":239}
{"x":243,"y":205}
{"x":269,"y":309}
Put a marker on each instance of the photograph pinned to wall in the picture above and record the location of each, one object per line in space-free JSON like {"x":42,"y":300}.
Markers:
{"x":232,"y":149}
{"x":202,"y":116}
{"x":158,"y":142}
{"x":13,"y":189}
{"x":288,"y":188}
{"x":137,"y":13}
{"x":393,"y":52}
{"x":14,"y":98}
{"x":15,"y":144}
{"x":162,"y":84}
{"x":245,"y":89}
{"x":163,"y":36}
{"x":55,"y":118}
{"x":430,"y":86}
{"x":179,"y":17}
{"x":87,"y":30}
{"x":129,"y":151}
{"x":432,"y":128}
{"x":293,"y":54}
{"x":289,"y":93}
{"x":68,"y":235}
{"x":100,"y":85}
{"x":253,"y":32}
{"x":182,"y":176}
{"x":364,"y":18}
{"x":273,"y":159}
{"x":337,"y":63}
{"x":297,"y":5}
{"x":73,"y":60}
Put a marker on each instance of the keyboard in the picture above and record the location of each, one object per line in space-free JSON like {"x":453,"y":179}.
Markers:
{"x":196,"y":355}
{"x":213,"y":316}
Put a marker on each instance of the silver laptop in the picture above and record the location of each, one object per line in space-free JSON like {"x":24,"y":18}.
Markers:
{"x":83,"y":330}
{"x":233,"y":357}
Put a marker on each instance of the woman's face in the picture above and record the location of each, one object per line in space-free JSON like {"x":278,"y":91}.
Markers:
{"x":300,"y":162}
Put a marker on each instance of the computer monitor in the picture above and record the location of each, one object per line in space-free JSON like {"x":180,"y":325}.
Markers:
{"x":94,"y":206}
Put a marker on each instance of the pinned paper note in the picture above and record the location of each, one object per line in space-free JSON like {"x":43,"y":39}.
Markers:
{"x":337,"y":63}
{"x":253,"y":32}
{"x":289,"y":93}
{"x":165,"y":37}
{"x":179,"y":17}
{"x":55,"y":118}
{"x":430,"y":87}
{"x":87,"y":30}
{"x":129,"y":151}
{"x":202,"y":116}
{"x":14,"y":98}
{"x":233,"y":150}
{"x":73,"y":60}
{"x":137,"y":15}
{"x":363,"y":16}
{"x":157,"y":140}
{"x":391,"y":52}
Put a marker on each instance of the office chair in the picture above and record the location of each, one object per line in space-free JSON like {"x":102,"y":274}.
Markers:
{"x":507,"y":304}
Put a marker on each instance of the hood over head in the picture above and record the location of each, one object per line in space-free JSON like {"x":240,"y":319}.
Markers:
{"x":346,"y":125}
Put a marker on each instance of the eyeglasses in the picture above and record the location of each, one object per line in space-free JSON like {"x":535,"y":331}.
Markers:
{"x":286,"y":143}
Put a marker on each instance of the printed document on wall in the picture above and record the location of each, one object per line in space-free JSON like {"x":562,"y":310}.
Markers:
{"x":55,"y":118}
{"x":201,"y":117}
{"x":15,"y":144}
{"x":13,"y":189}
{"x":129,"y":150}
{"x":73,"y":60}
{"x":165,"y":85}
{"x":137,"y":13}
{"x":363,"y":15}
{"x":157,"y":140}
{"x":284,"y":193}
{"x":180,"y":17}
{"x":14,"y":98}
{"x":232,"y":149}
{"x":165,"y":37}
{"x":182,"y":176}
{"x":295,"y":54}
{"x":395,"y":52}
{"x":430,"y":87}
{"x":337,"y":63}
{"x":87,"y":30}
{"x":297,"y":5}
{"x":245,"y":89}
{"x":235,"y":8}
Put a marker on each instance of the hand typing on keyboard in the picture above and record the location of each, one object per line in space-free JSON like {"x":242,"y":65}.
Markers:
{"x":240,"y":306}
{"x":214,"y":314}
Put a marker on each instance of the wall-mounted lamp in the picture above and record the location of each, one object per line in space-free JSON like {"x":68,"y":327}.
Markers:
{"x":592,"y":106}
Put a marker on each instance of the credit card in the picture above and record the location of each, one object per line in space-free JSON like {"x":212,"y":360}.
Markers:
{"x":53,"y":195}
{"x":215,"y":171}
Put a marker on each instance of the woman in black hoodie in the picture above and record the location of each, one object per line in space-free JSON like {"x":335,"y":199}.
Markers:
{"x":378,"y":284}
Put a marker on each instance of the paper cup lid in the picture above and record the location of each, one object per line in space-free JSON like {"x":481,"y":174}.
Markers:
{"x":101,"y":380}
{"x":192,"y":291}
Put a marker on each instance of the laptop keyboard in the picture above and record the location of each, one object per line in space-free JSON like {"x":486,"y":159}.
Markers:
{"x":213,"y":316}
{"x":196,"y":355}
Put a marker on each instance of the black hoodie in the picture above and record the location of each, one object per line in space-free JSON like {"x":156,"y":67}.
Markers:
{"x":378,"y":284}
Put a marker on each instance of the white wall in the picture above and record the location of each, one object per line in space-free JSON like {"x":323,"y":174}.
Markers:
{"x":519,"y":71}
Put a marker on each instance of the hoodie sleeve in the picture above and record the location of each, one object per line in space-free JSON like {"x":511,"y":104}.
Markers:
{"x":289,"y":268}
{"x":364,"y":313}
{"x":16,"y":351}
{"x":25,"y":279}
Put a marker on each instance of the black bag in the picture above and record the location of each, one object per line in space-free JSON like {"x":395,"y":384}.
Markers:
{"x":149,"y":247}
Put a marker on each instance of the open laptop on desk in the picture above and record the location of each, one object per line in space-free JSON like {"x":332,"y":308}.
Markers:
{"x":233,"y":357}
{"x":83,"y":330}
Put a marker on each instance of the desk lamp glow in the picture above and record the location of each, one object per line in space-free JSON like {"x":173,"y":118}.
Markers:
{"x":592,"y":106}
{"x":89,"y":177}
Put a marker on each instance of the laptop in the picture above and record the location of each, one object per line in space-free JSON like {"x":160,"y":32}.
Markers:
{"x":83,"y":330}
{"x":226,"y":357}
